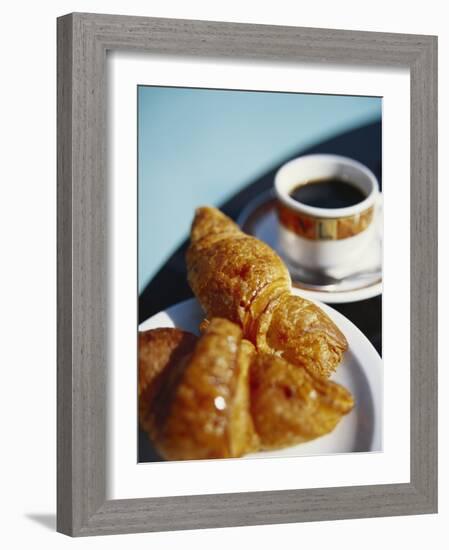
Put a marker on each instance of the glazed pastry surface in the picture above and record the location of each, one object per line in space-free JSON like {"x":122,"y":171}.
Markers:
{"x":232,"y":274}
{"x":201,"y":410}
{"x":160,"y":351}
{"x":236,"y":276}
{"x":300,"y":332}
{"x":291,"y":406}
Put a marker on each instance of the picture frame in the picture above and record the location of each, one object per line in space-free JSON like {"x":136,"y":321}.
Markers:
{"x":83,"y":40}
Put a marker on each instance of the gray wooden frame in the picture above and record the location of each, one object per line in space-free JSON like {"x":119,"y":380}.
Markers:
{"x":83,"y":40}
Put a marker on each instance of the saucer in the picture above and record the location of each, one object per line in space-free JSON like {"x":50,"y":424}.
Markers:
{"x":363,"y":281}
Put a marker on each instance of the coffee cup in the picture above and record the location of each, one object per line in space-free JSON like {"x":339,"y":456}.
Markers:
{"x":326,"y":210}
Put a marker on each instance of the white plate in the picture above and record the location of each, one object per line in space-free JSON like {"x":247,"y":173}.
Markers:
{"x":259,"y":218}
{"x":361,"y":371}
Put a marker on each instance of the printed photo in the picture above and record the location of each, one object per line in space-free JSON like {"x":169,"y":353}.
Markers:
{"x":259,"y":273}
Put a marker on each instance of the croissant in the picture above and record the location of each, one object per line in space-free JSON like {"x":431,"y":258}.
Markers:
{"x":240,"y":278}
{"x":215,"y":397}
{"x":198,"y":403}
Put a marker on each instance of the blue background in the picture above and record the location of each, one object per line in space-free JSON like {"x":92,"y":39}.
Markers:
{"x":199,"y":146}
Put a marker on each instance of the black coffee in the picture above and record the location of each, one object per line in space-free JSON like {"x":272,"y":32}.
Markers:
{"x":328,"y":193}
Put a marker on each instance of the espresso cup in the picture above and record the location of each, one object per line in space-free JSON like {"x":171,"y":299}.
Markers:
{"x":322,"y":238}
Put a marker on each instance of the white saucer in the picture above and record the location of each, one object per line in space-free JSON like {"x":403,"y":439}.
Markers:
{"x":259,"y":218}
{"x":361,"y":371}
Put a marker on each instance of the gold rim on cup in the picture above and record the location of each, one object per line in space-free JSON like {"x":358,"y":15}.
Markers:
{"x":324,"y":229}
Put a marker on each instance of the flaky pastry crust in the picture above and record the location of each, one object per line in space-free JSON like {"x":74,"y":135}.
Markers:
{"x":236,"y":276}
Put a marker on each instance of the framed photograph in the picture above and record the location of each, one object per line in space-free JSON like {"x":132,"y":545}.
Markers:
{"x":247,"y":274}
